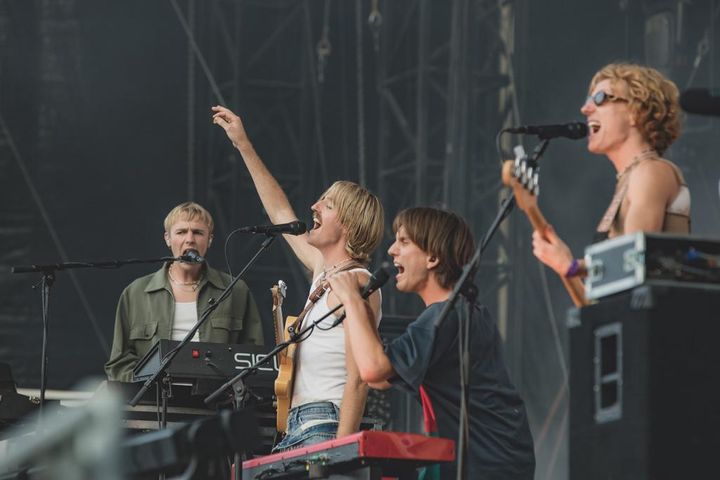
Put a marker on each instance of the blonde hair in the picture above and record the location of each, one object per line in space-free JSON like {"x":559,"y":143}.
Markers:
{"x":652,"y":99}
{"x":440,"y":233}
{"x":189,"y":211}
{"x":361,"y":213}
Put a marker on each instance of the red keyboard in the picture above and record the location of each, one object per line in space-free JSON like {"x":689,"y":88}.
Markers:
{"x":367,"y":454}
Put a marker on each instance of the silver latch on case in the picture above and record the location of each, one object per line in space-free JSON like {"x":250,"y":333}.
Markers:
{"x":596,"y":270}
{"x":632,"y":259}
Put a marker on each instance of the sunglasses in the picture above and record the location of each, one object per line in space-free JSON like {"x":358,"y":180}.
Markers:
{"x":600,"y":98}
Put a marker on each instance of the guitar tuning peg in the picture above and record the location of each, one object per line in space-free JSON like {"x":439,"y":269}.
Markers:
{"x":529,"y":178}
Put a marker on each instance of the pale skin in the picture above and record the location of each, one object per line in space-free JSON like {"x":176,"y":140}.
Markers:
{"x":652,"y":186}
{"x":319,"y":250}
{"x":182,"y":236}
{"x":415,"y":274}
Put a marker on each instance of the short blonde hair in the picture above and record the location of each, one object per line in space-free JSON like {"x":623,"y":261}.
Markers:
{"x":652,"y":99}
{"x":441,"y":233}
{"x":189,"y":211}
{"x":361,"y":213}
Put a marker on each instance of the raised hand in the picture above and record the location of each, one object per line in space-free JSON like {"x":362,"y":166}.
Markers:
{"x":346,"y":286}
{"x":232,"y":124}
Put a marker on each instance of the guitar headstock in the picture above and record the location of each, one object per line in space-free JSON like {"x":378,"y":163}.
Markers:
{"x":522,"y":175}
{"x":279,"y":292}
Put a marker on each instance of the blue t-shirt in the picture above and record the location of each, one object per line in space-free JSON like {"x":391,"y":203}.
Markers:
{"x":500,"y":447}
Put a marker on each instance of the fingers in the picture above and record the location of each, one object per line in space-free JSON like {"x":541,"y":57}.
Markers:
{"x":223,"y":116}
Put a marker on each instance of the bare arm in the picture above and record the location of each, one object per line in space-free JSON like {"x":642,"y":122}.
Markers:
{"x":651,"y":187}
{"x":272,"y":196}
{"x":373,"y":364}
{"x":354,"y":395}
{"x":356,"y":390}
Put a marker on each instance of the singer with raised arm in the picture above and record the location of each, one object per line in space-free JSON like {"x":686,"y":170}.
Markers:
{"x":431,"y":246}
{"x":168,"y":303}
{"x":633,"y":116}
{"x":328,"y":397}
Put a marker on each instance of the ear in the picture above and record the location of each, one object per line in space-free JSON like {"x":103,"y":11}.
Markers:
{"x":431,"y":262}
{"x":210,"y":239}
{"x":167,"y":238}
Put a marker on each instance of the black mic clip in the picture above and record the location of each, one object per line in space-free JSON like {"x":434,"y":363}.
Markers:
{"x":191,"y":256}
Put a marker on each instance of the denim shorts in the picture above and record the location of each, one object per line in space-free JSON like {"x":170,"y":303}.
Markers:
{"x":309,"y":424}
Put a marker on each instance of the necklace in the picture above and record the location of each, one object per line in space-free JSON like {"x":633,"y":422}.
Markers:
{"x":335,"y":268}
{"x":193,"y":286}
{"x":650,"y":152}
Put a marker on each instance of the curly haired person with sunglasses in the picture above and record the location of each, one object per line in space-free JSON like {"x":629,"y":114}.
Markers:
{"x":633,"y":116}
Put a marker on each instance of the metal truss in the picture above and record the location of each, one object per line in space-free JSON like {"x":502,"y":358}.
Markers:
{"x":238,"y":56}
{"x":439,"y":80}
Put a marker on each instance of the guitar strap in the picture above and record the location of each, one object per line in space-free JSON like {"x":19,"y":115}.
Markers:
{"x":612,"y":211}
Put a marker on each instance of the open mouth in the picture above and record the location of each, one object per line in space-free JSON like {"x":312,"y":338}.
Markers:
{"x":594,"y":126}
{"x":400,"y":268}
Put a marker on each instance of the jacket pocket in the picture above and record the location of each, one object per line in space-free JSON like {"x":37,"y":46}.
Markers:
{"x":224,"y":329}
{"x":142,"y":337}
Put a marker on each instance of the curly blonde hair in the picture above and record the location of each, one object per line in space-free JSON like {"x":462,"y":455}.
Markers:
{"x":361,"y":213}
{"x":652,"y":99}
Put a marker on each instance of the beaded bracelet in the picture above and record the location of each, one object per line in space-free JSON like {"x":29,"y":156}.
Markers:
{"x":574,"y":269}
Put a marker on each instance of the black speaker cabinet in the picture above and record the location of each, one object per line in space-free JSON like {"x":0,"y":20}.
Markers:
{"x":645,"y":386}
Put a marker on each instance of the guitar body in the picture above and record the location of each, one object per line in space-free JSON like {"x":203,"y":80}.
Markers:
{"x":284,"y":381}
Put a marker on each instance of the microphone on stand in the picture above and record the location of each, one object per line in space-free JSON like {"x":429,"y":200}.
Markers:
{"x":377,"y":279}
{"x":191,"y":256}
{"x":701,"y":101}
{"x":574,"y":131}
{"x":293,"y":228}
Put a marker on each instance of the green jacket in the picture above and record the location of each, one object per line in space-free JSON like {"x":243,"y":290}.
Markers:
{"x":147,"y":307}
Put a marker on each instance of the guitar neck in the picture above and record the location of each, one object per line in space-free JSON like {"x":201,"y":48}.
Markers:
{"x":573,"y":285}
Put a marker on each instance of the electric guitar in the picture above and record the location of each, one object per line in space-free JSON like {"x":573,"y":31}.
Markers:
{"x":522,"y":176}
{"x":286,"y":358}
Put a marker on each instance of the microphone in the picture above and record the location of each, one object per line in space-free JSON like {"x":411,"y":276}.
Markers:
{"x":702,"y":101}
{"x":377,"y":279}
{"x":573,"y":131}
{"x":192,"y":256}
{"x":293,"y":228}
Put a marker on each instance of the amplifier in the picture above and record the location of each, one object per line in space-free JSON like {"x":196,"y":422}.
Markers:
{"x":625,"y":262}
{"x":644,"y":400}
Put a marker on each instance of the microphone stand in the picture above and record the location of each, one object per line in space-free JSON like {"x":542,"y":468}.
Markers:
{"x":212,"y":305}
{"x":465,"y":287}
{"x":46,"y":283}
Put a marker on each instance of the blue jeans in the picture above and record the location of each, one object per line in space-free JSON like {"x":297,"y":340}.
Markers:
{"x":309,"y":424}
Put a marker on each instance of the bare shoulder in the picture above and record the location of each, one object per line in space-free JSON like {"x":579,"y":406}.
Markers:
{"x":657,"y":170}
{"x":661,"y":176}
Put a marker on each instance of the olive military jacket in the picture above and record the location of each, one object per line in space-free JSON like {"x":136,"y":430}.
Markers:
{"x":146,"y":310}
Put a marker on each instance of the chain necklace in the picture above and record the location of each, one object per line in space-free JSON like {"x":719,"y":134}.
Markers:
{"x":650,"y":152}
{"x":329,"y":271}
{"x":193,"y":286}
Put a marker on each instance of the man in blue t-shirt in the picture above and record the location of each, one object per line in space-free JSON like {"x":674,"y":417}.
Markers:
{"x":431,"y":246}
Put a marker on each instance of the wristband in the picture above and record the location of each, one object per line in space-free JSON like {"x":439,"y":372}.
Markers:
{"x":574,"y":269}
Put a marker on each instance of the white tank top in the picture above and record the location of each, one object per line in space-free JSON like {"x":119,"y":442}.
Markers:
{"x":320,"y":360}
{"x":185,"y":318}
